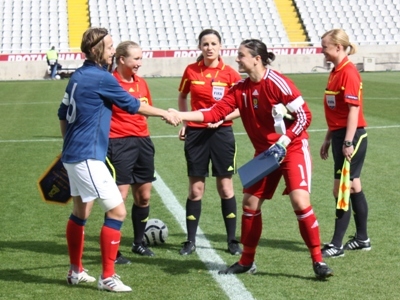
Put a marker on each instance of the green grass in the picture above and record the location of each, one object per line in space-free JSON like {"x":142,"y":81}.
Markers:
{"x":33,"y":253}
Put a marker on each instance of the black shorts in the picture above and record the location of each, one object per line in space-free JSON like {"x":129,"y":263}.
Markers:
{"x":131,"y":160}
{"x":360,"y":143}
{"x":203,"y":145}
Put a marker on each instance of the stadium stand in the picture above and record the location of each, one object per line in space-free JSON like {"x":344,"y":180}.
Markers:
{"x":367,"y":22}
{"x":32,"y":26}
{"x":78,"y":21}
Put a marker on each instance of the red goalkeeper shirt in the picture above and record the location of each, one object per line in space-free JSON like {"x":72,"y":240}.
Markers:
{"x":344,"y":88}
{"x":207,"y":86}
{"x":255,"y":101}
{"x":124,"y":124}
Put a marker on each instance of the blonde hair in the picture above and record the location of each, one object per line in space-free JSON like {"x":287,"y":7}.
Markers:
{"x":93,"y":44}
{"x":123,"y":49}
{"x":340,"y":37}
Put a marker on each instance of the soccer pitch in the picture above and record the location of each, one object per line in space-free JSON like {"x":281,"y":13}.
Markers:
{"x":33,"y":252}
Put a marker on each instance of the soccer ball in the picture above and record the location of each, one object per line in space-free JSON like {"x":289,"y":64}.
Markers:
{"x":156,"y":232}
{"x":58,"y":77}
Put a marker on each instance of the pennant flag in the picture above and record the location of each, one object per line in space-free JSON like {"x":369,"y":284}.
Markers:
{"x":54,"y":183}
{"x":344,"y":187}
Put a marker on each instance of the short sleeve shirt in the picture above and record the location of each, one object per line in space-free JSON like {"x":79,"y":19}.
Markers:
{"x":344,"y":88}
{"x":207,"y":86}
{"x":124,"y":124}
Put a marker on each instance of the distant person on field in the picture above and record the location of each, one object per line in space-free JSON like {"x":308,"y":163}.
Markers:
{"x":130,"y":156}
{"x":52,"y":61}
{"x":85,"y":116}
{"x":207,"y":81}
{"x":343,"y":104}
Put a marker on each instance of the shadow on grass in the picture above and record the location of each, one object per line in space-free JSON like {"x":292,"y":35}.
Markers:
{"x":126,"y":241}
{"x":180,"y":265}
{"x":21,"y":275}
{"x":288,"y":245}
{"x":291,"y":276}
{"x":42,"y":247}
{"x":173,"y":265}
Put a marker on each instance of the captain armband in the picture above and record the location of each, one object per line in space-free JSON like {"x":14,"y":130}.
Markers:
{"x":295,"y":104}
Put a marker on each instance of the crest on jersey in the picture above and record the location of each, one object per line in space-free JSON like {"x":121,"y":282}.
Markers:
{"x":255,"y":99}
{"x":255,"y":103}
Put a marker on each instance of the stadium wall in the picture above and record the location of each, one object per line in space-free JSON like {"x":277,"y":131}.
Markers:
{"x":288,"y":61}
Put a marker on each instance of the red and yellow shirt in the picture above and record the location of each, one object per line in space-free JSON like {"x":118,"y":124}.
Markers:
{"x":124,"y":124}
{"x":207,"y":86}
{"x":344,"y":88}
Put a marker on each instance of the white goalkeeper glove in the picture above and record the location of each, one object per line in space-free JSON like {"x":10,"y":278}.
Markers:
{"x":279,"y":112}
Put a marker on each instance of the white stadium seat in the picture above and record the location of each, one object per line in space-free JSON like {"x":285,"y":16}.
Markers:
{"x":166,"y":24}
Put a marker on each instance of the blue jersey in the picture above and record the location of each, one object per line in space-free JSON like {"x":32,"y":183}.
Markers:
{"x":86,"y":107}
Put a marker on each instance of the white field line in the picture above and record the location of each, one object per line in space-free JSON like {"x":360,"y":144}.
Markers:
{"x":230,"y":284}
{"x":174,"y":99}
{"x":176,"y":136}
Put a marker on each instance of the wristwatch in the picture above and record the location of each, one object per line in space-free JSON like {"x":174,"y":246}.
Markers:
{"x":348,"y":143}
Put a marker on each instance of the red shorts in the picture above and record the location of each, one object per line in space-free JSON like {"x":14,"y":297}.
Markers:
{"x":295,"y":169}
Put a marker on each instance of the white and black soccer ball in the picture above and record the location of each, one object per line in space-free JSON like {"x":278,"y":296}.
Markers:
{"x":156,"y":232}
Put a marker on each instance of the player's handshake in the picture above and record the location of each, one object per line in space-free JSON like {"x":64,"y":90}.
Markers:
{"x":172,"y":117}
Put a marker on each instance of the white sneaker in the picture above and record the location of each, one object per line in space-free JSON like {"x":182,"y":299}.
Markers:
{"x":75,"y":278}
{"x":113,"y":284}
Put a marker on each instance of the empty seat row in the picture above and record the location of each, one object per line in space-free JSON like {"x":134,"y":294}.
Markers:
{"x":158,"y":24}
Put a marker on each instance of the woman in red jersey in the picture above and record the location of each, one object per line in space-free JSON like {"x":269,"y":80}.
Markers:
{"x":343,"y":106}
{"x":130,"y":154}
{"x":208,"y":80}
{"x":258,"y":98}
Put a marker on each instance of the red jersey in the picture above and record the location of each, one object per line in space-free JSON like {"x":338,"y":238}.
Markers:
{"x":124,"y":124}
{"x":207,"y":86}
{"x":255,"y":101}
{"x":344,"y":88}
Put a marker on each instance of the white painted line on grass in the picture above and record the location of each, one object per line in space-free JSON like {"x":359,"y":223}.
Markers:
{"x":176,"y":136}
{"x":230,"y":284}
{"x":174,"y":99}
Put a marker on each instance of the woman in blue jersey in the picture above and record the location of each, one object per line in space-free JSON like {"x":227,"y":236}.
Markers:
{"x":85,"y":115}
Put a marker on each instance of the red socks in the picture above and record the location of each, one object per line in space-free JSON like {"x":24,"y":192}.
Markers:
{"x":309,"y":230}
{"x":109,"y":244}
{"x":252,"y":228}
{"x":75,"y":241}
{"x":251,"y":233}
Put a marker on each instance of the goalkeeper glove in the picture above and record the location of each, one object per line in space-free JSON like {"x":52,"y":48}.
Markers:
{"x":279,"y":148}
